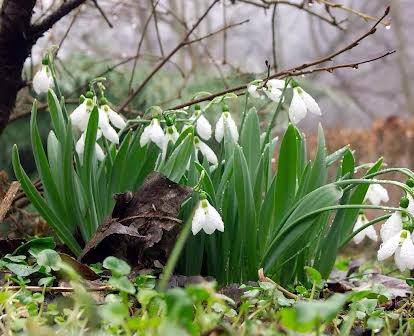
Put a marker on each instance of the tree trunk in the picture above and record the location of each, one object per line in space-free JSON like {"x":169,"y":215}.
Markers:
{"x":15,"y":47}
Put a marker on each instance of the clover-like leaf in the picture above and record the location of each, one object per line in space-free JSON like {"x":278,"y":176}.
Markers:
{"x":117,"y":266}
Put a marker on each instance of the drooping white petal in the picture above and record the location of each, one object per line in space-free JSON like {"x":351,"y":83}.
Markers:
{"x":103,"y":119}
{"x":388,"y":248}
{"x":206,"y":217}
{"x":80,"y":117}
{"x":229,"y":122}
{"x":310,"y":103}
{"x":156,"y":133}
{"x":80,"y":145}
{"x":371,"y":233}
{"x":399,"y":262}
{"x":361,"y":221}
{"x":410,"y":208}
{"x":116,"y":119}
{"x":376,"y":194}
{"x":203,"y":128}
{"x":198,"y":220}
{"x":297,"y":108}
{"x":42,"y":80}
{"x":392,"y":226}
{"x":219,"y":133}
{"x":207,"y":152}
{"x":109,"y":133}
{"x":215,"y":218}
{"x":274,"y":94}
{"x":100,"y":155}
{"x":145,"y":136}
{"x":407,"y":252}
{"x":252,"y":89}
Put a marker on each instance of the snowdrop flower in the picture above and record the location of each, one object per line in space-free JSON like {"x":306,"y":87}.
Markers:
{"x":274,"y":89}
{"x":42,"y":80}
{"x":114,"y":117}
{"x":203,"y":126}
{"x":397,"y":241}
{"x":205,"y":150}
{"x":226,"y":120}
{"x":367,"y":232}
{"x":207,"y":218}
{"x":107,"y":130}
{"x":80,"y":147}
{"x":252,"y":90}
{"x":376,"y":194}
{"x":301,"y":103}
{"x":410,"y":207}
{"x":171,"y":135}
{"x":154,"y":133}
{"x":80,"y":116}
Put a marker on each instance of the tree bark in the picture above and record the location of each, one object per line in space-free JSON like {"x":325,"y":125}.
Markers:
{"x":15,"y":47}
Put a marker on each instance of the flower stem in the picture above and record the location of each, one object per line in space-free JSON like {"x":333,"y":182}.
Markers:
{"x":376,"y":220}
{"x":175,"y":254}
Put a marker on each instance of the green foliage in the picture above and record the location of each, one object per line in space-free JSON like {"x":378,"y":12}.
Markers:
{"x":281,"y":219}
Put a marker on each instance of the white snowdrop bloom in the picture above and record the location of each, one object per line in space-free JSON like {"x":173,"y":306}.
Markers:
{"x":205,"y":150}
{"x":207,"y":218}
{"x":154,"y":133}
{"x":397,"y":242}
{"x":203,"y":126}
{"x":80,"y":116}
{"x":107,"y":130}
{"x":226,"y":120}
{"x":114,"y":117}
{"x":42,"y":80}
{"x":80,"y":147}
{"x":274,"y":89}
{"x":401,"y":246}
{"x":392,"y":226}
{"x":171,"y":135}
{"x":410,"y":207}
{"x":376,"y":194}
{"x":252,"y":90}
{"x":301,"y":103}
{"x":367,"y":232}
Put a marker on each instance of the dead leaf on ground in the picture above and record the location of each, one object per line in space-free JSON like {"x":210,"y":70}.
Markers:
{"x":143,"y":227}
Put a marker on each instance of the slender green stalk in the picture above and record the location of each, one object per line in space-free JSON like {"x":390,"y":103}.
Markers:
{"x":175,"y":254}
{"x":355,"y":182}
{"x":244,"y":113}
{"x":374,"y":221}
{"x":277,"y":111}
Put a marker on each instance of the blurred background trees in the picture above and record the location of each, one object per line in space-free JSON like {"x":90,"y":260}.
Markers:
{"x":126,"y":40}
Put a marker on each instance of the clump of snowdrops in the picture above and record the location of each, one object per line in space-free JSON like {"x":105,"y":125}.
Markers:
{"x":246,"y":212}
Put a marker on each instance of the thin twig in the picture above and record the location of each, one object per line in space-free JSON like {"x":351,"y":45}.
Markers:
{"x":8,"y":199}
{"x":165,"y":60}
{"x":263,"y":278}
{"x":298,"y":70}
{"x":51,"y":19}
{"x":144,"y":30}
{"x":157,"y":30}
{"x":225,"y":28}
{"x":101,"y":11}
{"x":275,"y":67}
{"x":65,"y":35}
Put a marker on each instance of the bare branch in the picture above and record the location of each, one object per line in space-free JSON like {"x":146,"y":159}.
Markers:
{"x":299,"y":70}
{"x":165,"y":60}
{"x":47,"y":23}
